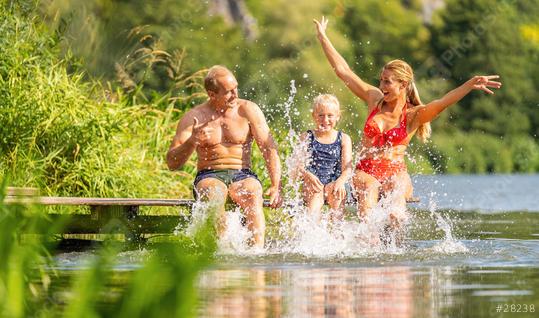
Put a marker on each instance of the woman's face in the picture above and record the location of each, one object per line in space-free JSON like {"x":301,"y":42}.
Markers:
{"x":326,"y":116}
{"x":391,"y":87}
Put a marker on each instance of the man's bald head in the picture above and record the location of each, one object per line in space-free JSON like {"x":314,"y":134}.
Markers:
{"x":214,"y":73}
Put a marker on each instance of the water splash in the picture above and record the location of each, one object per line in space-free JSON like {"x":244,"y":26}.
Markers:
{"x":449,"y":244}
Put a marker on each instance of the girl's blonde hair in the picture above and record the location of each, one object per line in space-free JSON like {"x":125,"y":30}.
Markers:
{"x":403,"y":72}
{"x":326,"y":99}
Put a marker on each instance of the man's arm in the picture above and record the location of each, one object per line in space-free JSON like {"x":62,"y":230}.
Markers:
{"x":261,"y":132}
{"x":184,"y":143}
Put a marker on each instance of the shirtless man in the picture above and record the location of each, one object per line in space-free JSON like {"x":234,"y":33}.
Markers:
{"x":221,"y":131}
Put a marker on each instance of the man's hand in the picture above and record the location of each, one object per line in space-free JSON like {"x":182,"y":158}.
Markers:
{"x":201,"y":133}
{"x":274,"y":193}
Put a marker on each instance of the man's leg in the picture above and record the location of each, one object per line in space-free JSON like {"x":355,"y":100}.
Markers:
{"x":214,"y":191}
{"x":247,"y":194}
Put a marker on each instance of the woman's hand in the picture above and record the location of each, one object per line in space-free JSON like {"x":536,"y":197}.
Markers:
{"x":484,"y":82}
{"x":321,"y":26}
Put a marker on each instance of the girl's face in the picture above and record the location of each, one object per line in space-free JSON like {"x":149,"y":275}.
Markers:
{"x":391,"y":87}
{"x":326,"y":116}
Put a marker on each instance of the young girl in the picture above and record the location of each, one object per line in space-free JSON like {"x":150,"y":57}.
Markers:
{"x":330,"y":164}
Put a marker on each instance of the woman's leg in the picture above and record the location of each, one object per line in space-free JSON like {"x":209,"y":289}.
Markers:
{"x":367,"y":191}
{"x":398,"y":188}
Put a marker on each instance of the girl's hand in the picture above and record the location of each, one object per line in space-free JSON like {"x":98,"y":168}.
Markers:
{"x":321,"y":26}
{"x":339,"y":191}
{"x":312,"y":182}
{"x":484,"y":82}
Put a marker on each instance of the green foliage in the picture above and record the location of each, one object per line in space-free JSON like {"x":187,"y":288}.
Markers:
{"x":179,"y":26}
{"x":465,"y":46}
{"x":70,"y":137}
{"x":525,"y":153}
{"x":164,"y":285}
{"x":382,"y":31}
{"x":475,"y":152}
{"x":22,"y":270}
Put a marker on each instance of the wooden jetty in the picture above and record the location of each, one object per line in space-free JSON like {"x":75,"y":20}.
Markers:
{"x":110,"y":215}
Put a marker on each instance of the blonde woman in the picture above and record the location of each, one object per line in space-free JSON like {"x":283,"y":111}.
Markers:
{"x":396,"y":113}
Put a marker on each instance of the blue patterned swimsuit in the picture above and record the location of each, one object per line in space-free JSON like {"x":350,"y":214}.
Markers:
{"x":325,"y":158}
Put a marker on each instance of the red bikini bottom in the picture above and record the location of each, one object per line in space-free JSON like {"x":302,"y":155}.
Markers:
{"x":382,"y":169}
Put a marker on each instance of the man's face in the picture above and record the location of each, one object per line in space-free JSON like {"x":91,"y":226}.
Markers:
{"x":228,"y":92}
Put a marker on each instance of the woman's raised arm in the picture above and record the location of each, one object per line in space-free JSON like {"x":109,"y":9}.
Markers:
{"x":370,"y":94}
{"x":428,"y":112}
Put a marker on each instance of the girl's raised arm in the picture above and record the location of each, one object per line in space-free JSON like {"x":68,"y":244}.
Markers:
{"x":370,"y":94}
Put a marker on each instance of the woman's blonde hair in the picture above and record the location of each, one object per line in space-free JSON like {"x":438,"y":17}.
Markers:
{"x":326,"y":99}
{"x":403,"y":72}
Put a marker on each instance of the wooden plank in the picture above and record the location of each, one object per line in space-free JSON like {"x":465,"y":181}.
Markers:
{"x":103,"y":201}
{"x":18,"y":191}
{"x":85,"y":224}
{"x":113,"y":201}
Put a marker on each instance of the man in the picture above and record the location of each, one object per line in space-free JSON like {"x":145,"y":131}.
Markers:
{"x":221,"y":131}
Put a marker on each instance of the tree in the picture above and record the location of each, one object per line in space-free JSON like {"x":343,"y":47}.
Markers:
{"x":479,"y":37}
{"x":382,"y":31}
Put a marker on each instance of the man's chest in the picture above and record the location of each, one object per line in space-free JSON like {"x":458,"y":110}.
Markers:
{"x":230,"y":129}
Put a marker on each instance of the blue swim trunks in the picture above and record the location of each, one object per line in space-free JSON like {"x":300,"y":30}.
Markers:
{"x":227,"y":176}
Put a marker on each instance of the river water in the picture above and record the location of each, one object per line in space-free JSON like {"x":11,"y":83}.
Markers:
{"x":471,"y":250}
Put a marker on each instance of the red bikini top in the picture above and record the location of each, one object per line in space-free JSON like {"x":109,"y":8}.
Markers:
{"x":393,"y":137}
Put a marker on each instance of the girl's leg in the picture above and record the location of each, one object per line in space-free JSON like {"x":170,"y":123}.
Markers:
{"x":314,"y":201}
{"x":367,"y":191}
{"x":336,"y":205}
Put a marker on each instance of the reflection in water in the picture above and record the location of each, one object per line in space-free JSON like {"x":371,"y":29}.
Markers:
{"x":241,"y":293}
{"x":382,"y":291}
{"x":317,"y":292}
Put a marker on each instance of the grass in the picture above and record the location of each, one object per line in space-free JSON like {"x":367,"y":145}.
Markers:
{"x":163,"y":285}
{"x":70,"y":135}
